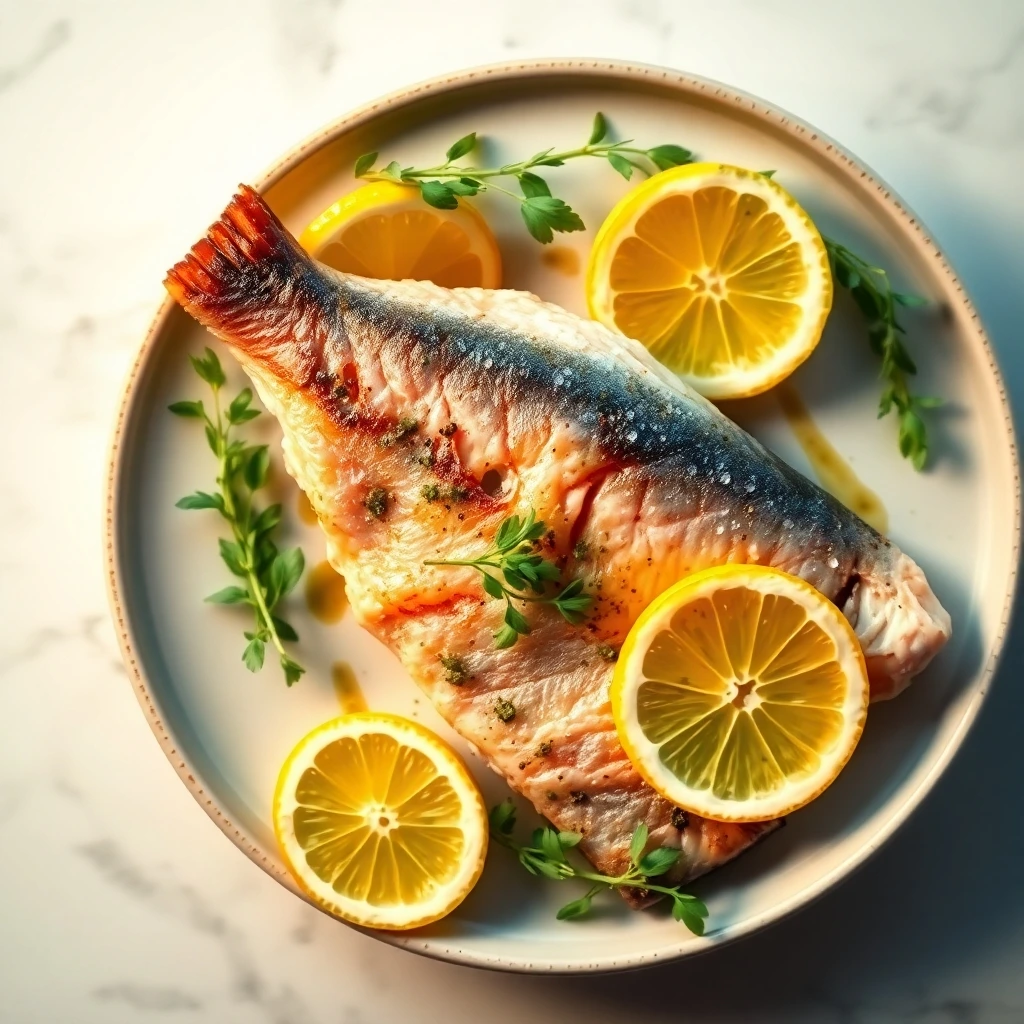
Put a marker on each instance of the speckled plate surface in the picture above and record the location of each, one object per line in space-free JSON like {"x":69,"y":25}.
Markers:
{"x":227,"y":732}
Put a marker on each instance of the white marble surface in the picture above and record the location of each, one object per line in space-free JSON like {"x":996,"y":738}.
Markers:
{"x":123,"y":125}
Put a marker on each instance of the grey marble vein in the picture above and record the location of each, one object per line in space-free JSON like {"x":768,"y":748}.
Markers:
{"x":307,"y":37}
{"x":148,"y":998}
{"x":278,"y":1003}
{"x":53,"y":38}
{"x":957,"y":100}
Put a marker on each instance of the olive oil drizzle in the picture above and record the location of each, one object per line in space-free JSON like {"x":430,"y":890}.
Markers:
{"x":834,"y":473}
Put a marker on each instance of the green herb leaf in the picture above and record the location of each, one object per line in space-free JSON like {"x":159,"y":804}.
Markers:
{"x":293,"y":671}
{"x":910,"y":301}
{"x":439,"y":195}
{"x":548,"y":870}
{"x":190,"y":410}
{"x":201,"y":499}
{"x":257,"y":465}
{"x":691,"y":912}
{"x":267,"y":520}
{"x":234,"y":559}
{"x":239,"y":405}
{"x":664,"y":157}
{"x":213,"y":439}
{"x":393,"y":170}
{"x":493,"y":587}
{"x":516,"y":620}
{"x":575,"y":908}
{"x":599,"y":129}
{"x":569,"y":839}
{"x":657,"y":862}
{"x":229,"y":595}
{"x":462,"y":147}
{"x":465,"y":186}
{"x":621,"y":164}
{"x":503,"y":817}
{"x":254,"y":654}
{"x":551,"y":847}
{"x":209,"y":369}
{"x":286,"y":571}
{"x":364,"y":163}
{"x":846,"y":276}
{"x":767,"y":174}
{"x":533,"y":185}
{"x":508,"y":533}
{"x":543,"y":215}
{"x":505,"y":638}
{"x":285,"y":630}
{"x":638,"y":842}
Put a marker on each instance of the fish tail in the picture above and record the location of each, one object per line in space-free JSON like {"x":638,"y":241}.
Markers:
{"x":249,"y":280}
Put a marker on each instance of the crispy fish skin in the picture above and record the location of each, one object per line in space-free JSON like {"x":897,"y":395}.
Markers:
{"x":417,"y":418}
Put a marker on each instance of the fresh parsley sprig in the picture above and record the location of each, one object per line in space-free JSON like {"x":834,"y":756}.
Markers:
{"x":544,"y":214}
{"x":872,"y":291}
{"x":251,"y":554}
{"x":524,"y":576}
{"x":545,"y":855}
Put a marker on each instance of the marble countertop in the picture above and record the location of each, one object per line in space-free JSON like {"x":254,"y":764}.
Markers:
{"x":124,"y":124}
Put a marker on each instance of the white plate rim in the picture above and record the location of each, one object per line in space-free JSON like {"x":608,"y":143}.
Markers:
{"x":860,"y":176}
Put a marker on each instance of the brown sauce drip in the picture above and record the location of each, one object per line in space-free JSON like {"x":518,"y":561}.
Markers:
{"x":305,"y":510}
{"x":325,"y":593}
{"x":346,"y":686}
{"x":834,"y":473}
{"x":561,"y":259}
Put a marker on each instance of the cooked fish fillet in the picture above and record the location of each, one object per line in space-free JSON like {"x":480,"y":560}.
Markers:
{"x":384,"y":388}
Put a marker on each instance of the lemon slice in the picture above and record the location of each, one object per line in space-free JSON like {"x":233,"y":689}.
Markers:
{"x":740,"y":693}
{"x":718,"y":272}
{"x":385,"y":230}
{"x":379,"y":821}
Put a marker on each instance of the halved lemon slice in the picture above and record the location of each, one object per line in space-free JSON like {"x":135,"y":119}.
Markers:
{"x":385,"y":230}
{"x":718,"y":272}
{"x":379,"y":821}
{"x":740,"y":693}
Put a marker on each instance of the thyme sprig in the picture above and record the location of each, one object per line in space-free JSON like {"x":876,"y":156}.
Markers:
{"x":878,"y":302}
{"x":251,"y":555}
{"x":545,"y":855}
{"x":513,"y":570}
{"x":543,"y":213}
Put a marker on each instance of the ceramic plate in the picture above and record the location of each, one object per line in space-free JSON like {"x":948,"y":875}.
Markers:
{"x":227,"y":732}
